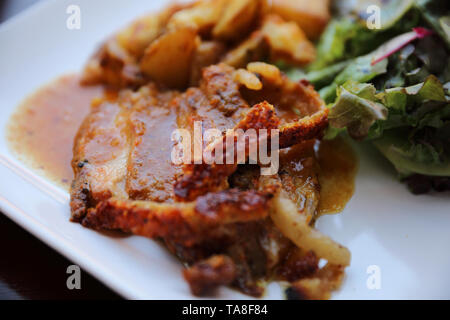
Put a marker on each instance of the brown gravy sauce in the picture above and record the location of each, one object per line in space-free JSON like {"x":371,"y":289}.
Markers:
{"x":42,"y":130}
{"x":338,"y":169}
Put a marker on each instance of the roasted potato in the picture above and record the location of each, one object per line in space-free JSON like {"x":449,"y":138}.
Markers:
{"x":287,"y":41}
{"x":168,"y":59}
{"x":116,"y":62}
{"x":203,"y":15}
{"x":173,"y":46}
{"x":137,"y":37}
{"x":140,"y":34}
{"x":237,"y":19}
{"x":253,"y":49}
{"x":311,"y":16}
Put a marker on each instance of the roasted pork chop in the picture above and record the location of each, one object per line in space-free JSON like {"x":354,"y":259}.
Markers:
{"x":214,"y":217}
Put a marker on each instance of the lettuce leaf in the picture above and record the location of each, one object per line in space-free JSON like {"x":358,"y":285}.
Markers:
{"x":409,"y":158}
{"x":319,"y":78}
{"x":409,"y":125}
{"x":333,"y":43}
{"x":360,"y":70}
{"x":356,"y":109}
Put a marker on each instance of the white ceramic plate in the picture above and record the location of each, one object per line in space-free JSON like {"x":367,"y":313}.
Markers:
{"x":405,"y":237}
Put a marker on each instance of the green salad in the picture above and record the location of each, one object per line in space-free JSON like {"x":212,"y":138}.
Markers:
{"x":390,"y":85}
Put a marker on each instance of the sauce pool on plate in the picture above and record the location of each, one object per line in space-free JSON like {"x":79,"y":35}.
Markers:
{"x":42,"y":130}
{"x":338,"y":168}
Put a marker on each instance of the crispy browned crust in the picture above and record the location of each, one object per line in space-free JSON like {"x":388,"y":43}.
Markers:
{"x":305,"y":129}
{"x":186,"y":223}
{"x":298,"y":265}
{"x":203,"y":178}
{"x":206,"y":276}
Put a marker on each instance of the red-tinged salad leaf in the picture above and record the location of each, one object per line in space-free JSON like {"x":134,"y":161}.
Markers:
{"x":398,"y":43}
{"x":437,"y":14}
{"x":415,"y":63}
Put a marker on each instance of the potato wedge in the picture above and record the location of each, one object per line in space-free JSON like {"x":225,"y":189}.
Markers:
{"x":237,"y":19}
{"x":287,"y":41}
{"x":139,"y":35}
{"x":168,"y":59}
{"x":202,"y":15}
{"x":252,"y":49}
{"x":311,"y":16}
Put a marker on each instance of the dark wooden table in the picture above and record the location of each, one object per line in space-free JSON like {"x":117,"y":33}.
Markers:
{"x":28,"y":268}
{"x":31,"y":270}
